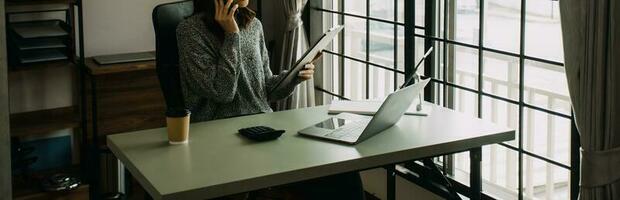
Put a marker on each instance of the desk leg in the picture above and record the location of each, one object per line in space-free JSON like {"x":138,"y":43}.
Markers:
{"x":475,"y":175}
{"x":391,"y":182}
{"x":122,"y":188}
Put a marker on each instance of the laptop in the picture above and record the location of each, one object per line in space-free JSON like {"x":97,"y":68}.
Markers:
{"x":370,"y":107}
{"x":352,"y":128}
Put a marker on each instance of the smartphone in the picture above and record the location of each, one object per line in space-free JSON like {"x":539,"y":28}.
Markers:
{"x":231,"y":5}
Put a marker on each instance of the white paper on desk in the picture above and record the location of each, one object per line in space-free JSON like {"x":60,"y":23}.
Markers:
{"x":370,"y":107}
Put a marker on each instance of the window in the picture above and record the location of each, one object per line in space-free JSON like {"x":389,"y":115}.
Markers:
{"x":370,"y":50}
{"x":509,"y":73}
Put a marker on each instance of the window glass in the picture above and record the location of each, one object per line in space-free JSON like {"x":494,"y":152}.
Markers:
{"x":546,"y":87}
{"x":543,"y":31}
{"x":356,"y":7}
{"x":543,"y":180}
{"x":502,"y":25}
{"x":501,"y":75}
{"x":381,"y":9}
{"x":467,"y":18}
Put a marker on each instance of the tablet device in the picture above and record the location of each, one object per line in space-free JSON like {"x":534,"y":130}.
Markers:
{"x":308,"y":57}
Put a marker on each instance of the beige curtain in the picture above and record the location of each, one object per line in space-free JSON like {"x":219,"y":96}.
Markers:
{"x":591,"y":32}
{"x":295,"y":44}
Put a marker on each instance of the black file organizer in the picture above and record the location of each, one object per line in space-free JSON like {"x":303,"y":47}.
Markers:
{"x":38,"y":41}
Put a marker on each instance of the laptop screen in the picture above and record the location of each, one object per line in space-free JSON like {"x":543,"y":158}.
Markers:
{"x":333,"y":123}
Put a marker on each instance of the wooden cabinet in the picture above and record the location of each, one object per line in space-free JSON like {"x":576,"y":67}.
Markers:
{"x":125,"y":97}
{"x":121,"y":98}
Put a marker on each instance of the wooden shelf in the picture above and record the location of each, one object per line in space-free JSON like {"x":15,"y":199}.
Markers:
{"x":78,"y":194}
{"x":43,"y":121}
{"x":36,"y":2}
{"x":36,"y":66}
{"x":27,"y":6}
{"x":31,"y":190}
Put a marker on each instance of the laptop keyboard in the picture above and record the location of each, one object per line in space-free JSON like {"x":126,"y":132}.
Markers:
{"x":351,"y":130}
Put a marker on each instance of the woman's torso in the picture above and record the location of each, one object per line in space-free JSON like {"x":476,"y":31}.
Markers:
{"x":250,"y":95}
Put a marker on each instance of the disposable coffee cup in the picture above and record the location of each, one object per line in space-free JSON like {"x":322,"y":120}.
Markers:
{"x":177,"y":123}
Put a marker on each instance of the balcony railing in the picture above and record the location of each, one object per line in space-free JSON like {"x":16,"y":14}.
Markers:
{"x":540,"y":181}
{"x":534,"y":186}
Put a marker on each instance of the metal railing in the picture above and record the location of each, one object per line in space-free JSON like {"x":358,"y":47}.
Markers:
{"x":535,"y":186}
{"x":521,"y":102}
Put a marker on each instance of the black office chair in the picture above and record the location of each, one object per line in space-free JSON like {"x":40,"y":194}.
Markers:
{"x":166,"y":18}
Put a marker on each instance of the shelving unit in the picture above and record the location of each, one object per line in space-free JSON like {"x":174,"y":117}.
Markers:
{"x":28,"y":190}
{"x":44,"y":121}
{"x":38,"y":66}
{"x":31,"y":40}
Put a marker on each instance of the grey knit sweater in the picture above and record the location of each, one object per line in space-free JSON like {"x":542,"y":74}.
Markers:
{"x":226,"y":78}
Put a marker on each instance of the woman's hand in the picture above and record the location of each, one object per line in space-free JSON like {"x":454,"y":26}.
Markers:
{"x":307,"y":73}
{"x":224,"y":18}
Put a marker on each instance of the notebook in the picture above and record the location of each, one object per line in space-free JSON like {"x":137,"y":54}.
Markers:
{"x":125,"y":58}
{"x":370,"y":107}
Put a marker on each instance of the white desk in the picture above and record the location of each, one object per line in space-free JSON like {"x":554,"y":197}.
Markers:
{"x":218,"y":161}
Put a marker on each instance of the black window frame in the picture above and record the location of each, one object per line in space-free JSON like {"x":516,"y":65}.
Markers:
{"x":430,"y":66}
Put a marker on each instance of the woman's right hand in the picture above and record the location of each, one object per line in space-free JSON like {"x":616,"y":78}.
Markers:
{"x":224,"y":18}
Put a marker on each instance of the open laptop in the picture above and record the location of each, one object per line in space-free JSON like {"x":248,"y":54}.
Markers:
{"x":352,"y":128}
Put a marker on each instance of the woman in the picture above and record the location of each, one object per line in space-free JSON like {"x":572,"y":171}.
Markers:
{"x":224,"y":63}
{"x":225,"y":72}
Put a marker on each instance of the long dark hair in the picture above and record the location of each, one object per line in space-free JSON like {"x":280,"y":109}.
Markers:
{"x":244,"y":16}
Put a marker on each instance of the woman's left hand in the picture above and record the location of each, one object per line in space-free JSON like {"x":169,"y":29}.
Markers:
{"x":307,"y":73}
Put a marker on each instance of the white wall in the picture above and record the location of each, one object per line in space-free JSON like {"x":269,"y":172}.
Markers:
{"x":118,"y":26}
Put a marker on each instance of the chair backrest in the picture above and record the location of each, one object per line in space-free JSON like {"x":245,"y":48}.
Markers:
{"x":166,"y":18}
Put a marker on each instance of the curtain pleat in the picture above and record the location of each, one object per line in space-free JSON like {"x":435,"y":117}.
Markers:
{"x":592,"y":62}
{"x":295,"y":44}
